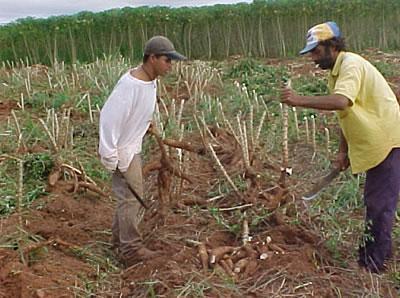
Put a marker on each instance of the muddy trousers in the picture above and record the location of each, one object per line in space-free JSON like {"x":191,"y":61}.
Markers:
{"x":126,"y":236}
{"x":381,"y":194}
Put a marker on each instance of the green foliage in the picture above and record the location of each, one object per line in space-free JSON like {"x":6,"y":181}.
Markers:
{"x":386,"y":69}
{"x":219,"y":218}
{"x":37,"y":166}
{"x":310,"y":85}
{"x":193,"y":289}
{"x":257,"y":76}
{"x":43,"y":100}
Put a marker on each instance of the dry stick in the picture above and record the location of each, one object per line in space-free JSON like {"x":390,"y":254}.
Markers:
{"x":53,"y":130}
{"x":242,"y":142}
{"x":260,"y":126}
{"x":224,"y":171}
{"x":22,"y":102}
{"x":84,"y":175}
{"x":245,"y":146}
{"x":285,"y":157}
{"x":164,"y":107}
{"x":49,"y":80}
{"x":89,"y":186}
{"x":203,"y":121}
{"x":313,"y":133}
{"x":69,"y":167}
{"x":52,"y":140}
{"x":307,"y":130}
{"x":183,"y":145}
{"x":252,"y":124}
{"x":228,"y":123}
{"x":157,"y":119}
{"x":232,"y":130}
{"x":20,"y":189}
{"x":285,"y":145}
{"x":173,"y":110}
{"x":241,"y":135}
{"x":235,"y":207}
{"x":165,"y":160}
{"x":27,"y":87}
{"x":19,"y":202}
{"x":181,"y":158}
{"x":72,"y":137}
{"x":285,"y":150}
{"x":19,"y":133}
{"x":296,"y":123}
{"x":180,"y":112}
{"x":203,"y":137}
{"x":245,"y":231}
{"x":66,"y":131}
{"x":90,"y":108}
{"x":188,"y":89}
{"x":57,"y":127}
{"x":327,"y":140}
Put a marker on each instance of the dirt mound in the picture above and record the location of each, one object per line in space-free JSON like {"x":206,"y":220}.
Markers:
{"x":52,"y":254}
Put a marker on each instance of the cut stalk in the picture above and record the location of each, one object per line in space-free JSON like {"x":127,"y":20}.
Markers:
{"x":180,"y":112}
{"x":90,"y":108}
{"x":327,"y":140}
{"x":252,"y":124}
{"x":19,"y":133}
{"x":296,"y":123}
{"x":52,"y":140}
{"x":260,"y":126}
{"x":307,"y":130}
{"x":313,"y":133}
{"x":22,"y":102}
{"x":221,"y":167}
{"x":20,"y":189}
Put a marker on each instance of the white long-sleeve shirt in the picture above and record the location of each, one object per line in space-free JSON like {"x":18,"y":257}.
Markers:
{"x":124,"y":120}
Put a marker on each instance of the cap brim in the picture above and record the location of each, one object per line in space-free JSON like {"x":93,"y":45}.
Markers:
{"x":175,"y":56}
{"x":308,"y":48}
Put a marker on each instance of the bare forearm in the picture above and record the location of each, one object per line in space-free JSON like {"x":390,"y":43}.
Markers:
{"x":332,"y":102}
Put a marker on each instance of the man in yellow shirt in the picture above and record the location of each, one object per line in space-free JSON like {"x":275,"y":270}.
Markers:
{"x":369,"y":117}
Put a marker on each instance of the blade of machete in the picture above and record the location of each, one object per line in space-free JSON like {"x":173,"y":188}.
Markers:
{"x":321,"y":185}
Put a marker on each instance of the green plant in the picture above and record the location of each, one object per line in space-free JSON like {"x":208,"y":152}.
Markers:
{"x":37,"y":166}
{"x":219,"y":218}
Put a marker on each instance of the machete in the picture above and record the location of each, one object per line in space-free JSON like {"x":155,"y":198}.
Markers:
{"x":321,"y":184}
{"x":137,"y":196}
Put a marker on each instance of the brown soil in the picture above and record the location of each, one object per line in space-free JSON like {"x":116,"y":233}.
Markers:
{"x":5,"y":109}
{"x":74,"y":230}
{"x":76,"y":222}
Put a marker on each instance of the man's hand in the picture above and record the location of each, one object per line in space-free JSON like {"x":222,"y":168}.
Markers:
{"x":342,"y":161}
{"x":289,"y":97}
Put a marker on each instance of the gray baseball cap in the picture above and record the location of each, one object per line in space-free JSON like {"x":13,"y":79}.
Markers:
{"x":160,"y":45}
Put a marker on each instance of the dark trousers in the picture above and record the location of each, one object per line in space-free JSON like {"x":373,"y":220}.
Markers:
{"x":381,"y":194}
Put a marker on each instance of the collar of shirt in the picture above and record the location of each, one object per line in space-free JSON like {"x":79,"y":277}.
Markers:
{"x":338,"y":63}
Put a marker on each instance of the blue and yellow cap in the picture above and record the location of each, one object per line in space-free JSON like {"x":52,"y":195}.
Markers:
{"x":319,"y":33}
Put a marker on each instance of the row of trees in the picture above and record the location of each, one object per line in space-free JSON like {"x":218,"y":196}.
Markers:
{"x":264,"y":28}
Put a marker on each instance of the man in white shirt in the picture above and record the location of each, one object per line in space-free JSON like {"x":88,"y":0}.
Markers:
{"x":124,"y":120}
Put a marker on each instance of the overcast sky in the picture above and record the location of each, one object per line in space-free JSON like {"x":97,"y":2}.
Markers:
{"x":11,"y":10}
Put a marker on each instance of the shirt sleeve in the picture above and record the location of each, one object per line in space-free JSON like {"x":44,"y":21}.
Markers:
{"x":112,"y":118}
{"x":349,"y":80}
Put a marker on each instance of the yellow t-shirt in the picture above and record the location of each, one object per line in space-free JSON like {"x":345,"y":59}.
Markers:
{"x":371,"y":125}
